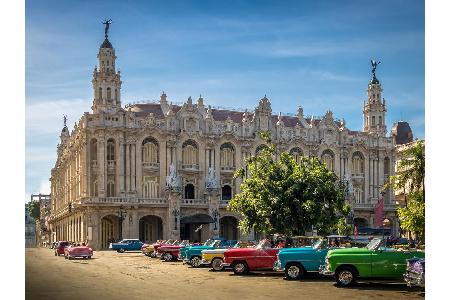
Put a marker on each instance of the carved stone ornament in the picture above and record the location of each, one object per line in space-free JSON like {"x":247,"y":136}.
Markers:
{"x":150,"y":120}
{"x":173,"y":182}
{"x":211,"y":181}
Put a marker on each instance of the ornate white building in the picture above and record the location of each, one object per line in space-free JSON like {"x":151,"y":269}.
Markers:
{"x":170,"y":167}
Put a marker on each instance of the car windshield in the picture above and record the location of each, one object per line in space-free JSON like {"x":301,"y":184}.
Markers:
{"x":317,"y":244}
{"x":210,"y":242}
{"x":264,"y":244}
{"x":374,"y":244}
{"x":216,"y":244}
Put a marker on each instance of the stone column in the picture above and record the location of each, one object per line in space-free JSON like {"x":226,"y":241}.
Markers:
{"x":128,"y":165}
{"x":121,"y":166}
{"x":138,"y":147}
{"x":163,"y":161}
{"x":174,"y":204}
{"x":101,"y":163}
{"x":216,"y":155}
{"x":133,"y":167}
{"x":134,"y":225}
{"x":213,"y":204}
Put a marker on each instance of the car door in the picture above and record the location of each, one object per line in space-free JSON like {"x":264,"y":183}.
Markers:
{"x":388,"y":263}
{"x":266,"y":258}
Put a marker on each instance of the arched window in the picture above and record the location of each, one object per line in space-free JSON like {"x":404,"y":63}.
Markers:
{"x":150,"y":187}
{"x":387,"y":166}
{"x":110,"y":150}
{"x":296,"y":154}
{"x":190,"y":153}
{"x":358,"y":164}
{"x":328,"y":159}
{"x":358,"y":193}
{"x":108,"y":93}
{"x":189,"y":191}
{"x":226,"y":192}
{"x":150,"y":150}
{"x":227,"y":156}
{"x":110,"y":189}
{"x":93,"y":149}
{"x":100,"y":93}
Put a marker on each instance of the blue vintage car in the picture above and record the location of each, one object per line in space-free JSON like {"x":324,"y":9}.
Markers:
{"x":295,"y":262}
{"x":126,"y":245}
{"x":193,"y":254}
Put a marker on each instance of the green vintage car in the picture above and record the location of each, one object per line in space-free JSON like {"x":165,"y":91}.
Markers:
{"x":374,"y":261}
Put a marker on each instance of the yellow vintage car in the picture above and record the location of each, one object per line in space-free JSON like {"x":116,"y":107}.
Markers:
{"x":214,"y":257}
{"x":150,"y":250}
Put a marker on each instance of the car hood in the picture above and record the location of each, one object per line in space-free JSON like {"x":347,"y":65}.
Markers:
{"x":214,"y":251}
{"x":349,"y":251}
{"x":297,"y":250}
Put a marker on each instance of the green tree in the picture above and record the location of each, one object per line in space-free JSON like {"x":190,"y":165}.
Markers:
{"x":281,"y":196}
{"x":412,"y":217}
{"x":34,"y":209}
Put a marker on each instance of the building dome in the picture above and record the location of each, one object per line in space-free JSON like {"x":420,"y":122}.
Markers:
{"x":106,"y":44}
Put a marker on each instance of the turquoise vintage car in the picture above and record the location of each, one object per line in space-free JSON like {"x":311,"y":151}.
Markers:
{"x":372,"y":262}
{"x":193,"y":254}
{"x":295,"y":262}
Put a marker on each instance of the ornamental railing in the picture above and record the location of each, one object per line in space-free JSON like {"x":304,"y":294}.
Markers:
{"x":150,"y":165}
{"x":190,"y":167}
{"x":125,"y":200}
{"x":224,"y":202}
{"x":227,"y":169}
{"x":193,"y":202}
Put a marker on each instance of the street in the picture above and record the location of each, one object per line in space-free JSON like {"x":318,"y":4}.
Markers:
{"x":110,"y":275}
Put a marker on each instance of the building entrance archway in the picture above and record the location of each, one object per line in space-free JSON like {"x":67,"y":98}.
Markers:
{"x":150,"y":229}
{"x":229,"y":228}
{"x":109,"y":230}
{"x":361,"y":223}
{"x":195,"y":228}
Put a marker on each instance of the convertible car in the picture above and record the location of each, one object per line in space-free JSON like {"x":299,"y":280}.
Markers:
{"x":374,"y":262}
{"x":78,"y":251}
{"x":192,"y":255}
{"x":59,"y":247}
{"x":126,"y":245}
{"x":214,"y":257}
{"x":171,"y":252}
{"x":415,"y":272}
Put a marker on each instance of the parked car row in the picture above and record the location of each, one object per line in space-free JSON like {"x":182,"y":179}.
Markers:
{"x":72,"y":250}
{"x":333,"y":256}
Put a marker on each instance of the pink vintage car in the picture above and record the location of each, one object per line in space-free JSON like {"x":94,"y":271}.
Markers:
{"x":244,"y":260}
{"x":72,"y":251}
{"x":171,"y":252}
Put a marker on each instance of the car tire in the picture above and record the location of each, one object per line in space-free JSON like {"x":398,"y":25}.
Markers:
{"x":153,"y":254}
{"x":195,"y":262}
{"x":240,"y":268}
{"x":70,"y":258}
{"x":345,"y":276}
{"x":56,"y":254}
{"x":89,"y":257}
{"x":168,"y":257}
{"x":293,"y":271}
{"x":65,"y":257}
{"x":121,"y":250}
{"x":216,"y":264}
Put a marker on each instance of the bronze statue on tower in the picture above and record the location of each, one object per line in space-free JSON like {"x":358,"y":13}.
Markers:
{"x":107,"y":23}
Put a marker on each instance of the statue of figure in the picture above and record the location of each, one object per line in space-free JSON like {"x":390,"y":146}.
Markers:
{"x":65,"y":120}
{"x":348,"y":185}
{"x":106,"y":23}
{"x":374,"y":66}
{"x":211,"y":182}
{"x":172,"y":181}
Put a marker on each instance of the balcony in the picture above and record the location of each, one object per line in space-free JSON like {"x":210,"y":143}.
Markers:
{"x":124,"y":200}
{"x":111,"y":165}
{"x":363,"y":205}
{"x":358,"y":175}
{"x":227,"y":169}
{"x":193,"y":202}
{"x":190,"y":168}
{"x":224,"y":202}
{"x":150,"y":166}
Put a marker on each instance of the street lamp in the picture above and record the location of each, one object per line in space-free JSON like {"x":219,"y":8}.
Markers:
{"x":69,"y":207}
{"x":176,"y":213}
{"x":215,"y":214}
{"x":122,"y":214}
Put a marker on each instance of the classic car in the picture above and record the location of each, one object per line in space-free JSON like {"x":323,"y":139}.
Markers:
{"x":171,"y":252}
{"x":59,"y":248}
{"x":214,"y":257}
{"x":295,"y":262}
{"x":126,"y":245}
{"x":193,"y":254}
{"x":415,"y":272}
{"x":151,"y":249}
{"x":244,"y":260}
{"x":73,"y":251}
{"x":374,"y":262}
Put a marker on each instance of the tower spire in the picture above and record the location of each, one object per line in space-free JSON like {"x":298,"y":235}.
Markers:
{"x":375,"y":108}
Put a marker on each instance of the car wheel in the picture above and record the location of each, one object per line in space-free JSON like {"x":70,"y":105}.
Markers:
{"x":293,"y":272}
{"x":240,"y":268}
{"x":345,"y":276}
{"x":216,"y":264}
{"x":195,"y":262}
{"x":153,"y":254}
{"x":168,"y":257}
{"x":121,"y":250}
{"x":56,"y":254}
{"x":65,"y":257}
{"x":89,"y":257}
{"x":70,"y":257}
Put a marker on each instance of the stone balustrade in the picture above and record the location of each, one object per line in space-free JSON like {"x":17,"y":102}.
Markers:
{"x":193,"y":202}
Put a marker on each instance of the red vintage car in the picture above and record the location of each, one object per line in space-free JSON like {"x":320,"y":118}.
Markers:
{"x":72,"y":251}
{"x":152,"y":249}
{"x":59,"y":248}
{"x":170,"y":252}
{"x":244,"y":260}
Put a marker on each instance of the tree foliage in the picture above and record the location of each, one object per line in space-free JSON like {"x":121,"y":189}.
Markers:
{"x":412,"y":217}
{"x":34,"y":209}
{"x":281,"y":196}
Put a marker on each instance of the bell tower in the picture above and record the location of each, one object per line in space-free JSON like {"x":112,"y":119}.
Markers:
{"x":375,"y":108}
{"x":106,"y":81}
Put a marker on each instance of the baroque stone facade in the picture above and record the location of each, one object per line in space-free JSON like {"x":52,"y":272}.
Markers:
{"x":170,"y":167}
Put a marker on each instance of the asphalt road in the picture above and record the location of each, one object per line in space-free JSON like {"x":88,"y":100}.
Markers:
{"x":110,"y":275}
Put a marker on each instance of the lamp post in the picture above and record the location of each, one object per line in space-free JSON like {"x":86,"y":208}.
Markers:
{"x":215,"y":214}
{"x":122,"y":214}
{"x":176,"y":213}
{"x":69,"y":207}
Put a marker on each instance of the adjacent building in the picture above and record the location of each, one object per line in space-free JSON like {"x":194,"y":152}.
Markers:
{"x":169,"y":168}
{"x":30,"y":229}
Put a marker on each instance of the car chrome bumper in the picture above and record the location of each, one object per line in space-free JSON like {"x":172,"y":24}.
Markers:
{"x":225,"y":265}
{"x":205,"y":262}
{"x":277,"y":266}
{"x":414,"y":279}
{"x":324,"y":271}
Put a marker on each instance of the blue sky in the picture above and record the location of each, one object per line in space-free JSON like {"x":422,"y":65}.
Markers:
{"x":310,"y":53}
